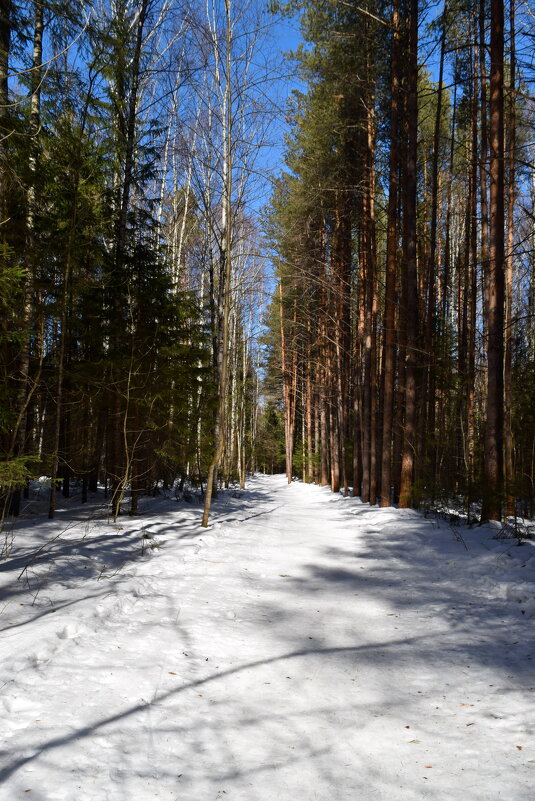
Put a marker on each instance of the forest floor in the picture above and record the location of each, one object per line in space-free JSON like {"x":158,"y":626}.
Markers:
{"x":304,"y":647}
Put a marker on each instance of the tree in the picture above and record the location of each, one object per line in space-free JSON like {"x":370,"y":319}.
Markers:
{"x":496,"y":277}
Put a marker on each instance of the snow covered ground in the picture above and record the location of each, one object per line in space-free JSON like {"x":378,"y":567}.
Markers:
{"x":305,"y":647}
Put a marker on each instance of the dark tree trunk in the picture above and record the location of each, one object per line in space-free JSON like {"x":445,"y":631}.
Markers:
{"x":411,"y":310}
{"x":432,"y":272}
{"x":389,"y":345}
{"x":5,"y":46}
{"x":508,"y":384}
{"x":495,"y":347}
{"x":472,"y":290}
{"x":483,"y":168}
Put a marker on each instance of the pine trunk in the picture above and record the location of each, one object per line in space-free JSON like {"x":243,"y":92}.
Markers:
{"x":389,"y":345}
{"x":411,"y":310}
{"x":495,"y":347}
{"x":508,"y":378}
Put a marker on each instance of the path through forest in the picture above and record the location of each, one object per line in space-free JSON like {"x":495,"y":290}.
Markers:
{"x":304,"y":648}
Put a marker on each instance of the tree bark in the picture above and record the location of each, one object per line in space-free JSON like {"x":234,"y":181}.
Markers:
{"x":5,"y":47}
{"x":483,"y":169}
{"x":225,"y":275}
{"x":34,"y":128}
{"x":389,"y":344}
{"x":432,"y":272}
{"x":409,"y":439}
{"x":508,"y":382}
{"x":495,"y":347}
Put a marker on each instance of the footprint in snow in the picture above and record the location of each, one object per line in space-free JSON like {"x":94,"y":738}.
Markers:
{"x":18,"y":712}
{"x":18,"y":705}
{"x":70,"y":631}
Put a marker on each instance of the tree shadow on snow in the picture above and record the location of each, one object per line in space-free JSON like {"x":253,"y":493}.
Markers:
{"x":80,"y":734}
{"x":423,"y":573}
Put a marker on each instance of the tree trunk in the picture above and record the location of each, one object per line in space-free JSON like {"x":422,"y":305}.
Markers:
{"x":495,"y":347}
{"x":60,"y":370}
{"x":432,"y":272}
{"x":5,"y":47}
{"x":472,"y":290}
{"x":26,"y":390}
{"x":483,"y":169}
{"x":288,"y":389}
{"x":508,"y":385}
{"x":389,"y":346}
{"x":367,"y":279}
{"x":307,"y":412}
{"x":225,"y":278}
{"x":409,"y":439}
{"x":341,"y":279}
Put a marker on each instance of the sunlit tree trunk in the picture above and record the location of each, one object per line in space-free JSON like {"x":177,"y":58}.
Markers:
{"x":289,"y":379}
{"x":225,"y":272}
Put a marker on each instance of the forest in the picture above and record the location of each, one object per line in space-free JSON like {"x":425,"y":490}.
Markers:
{"x":176,"y":310}
{"x":267,"y":419}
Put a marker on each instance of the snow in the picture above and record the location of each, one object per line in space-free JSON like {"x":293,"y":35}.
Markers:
{"x":305,"y":647}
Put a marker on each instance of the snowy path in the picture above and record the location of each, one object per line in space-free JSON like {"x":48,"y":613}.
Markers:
{"x":304,"y":648}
